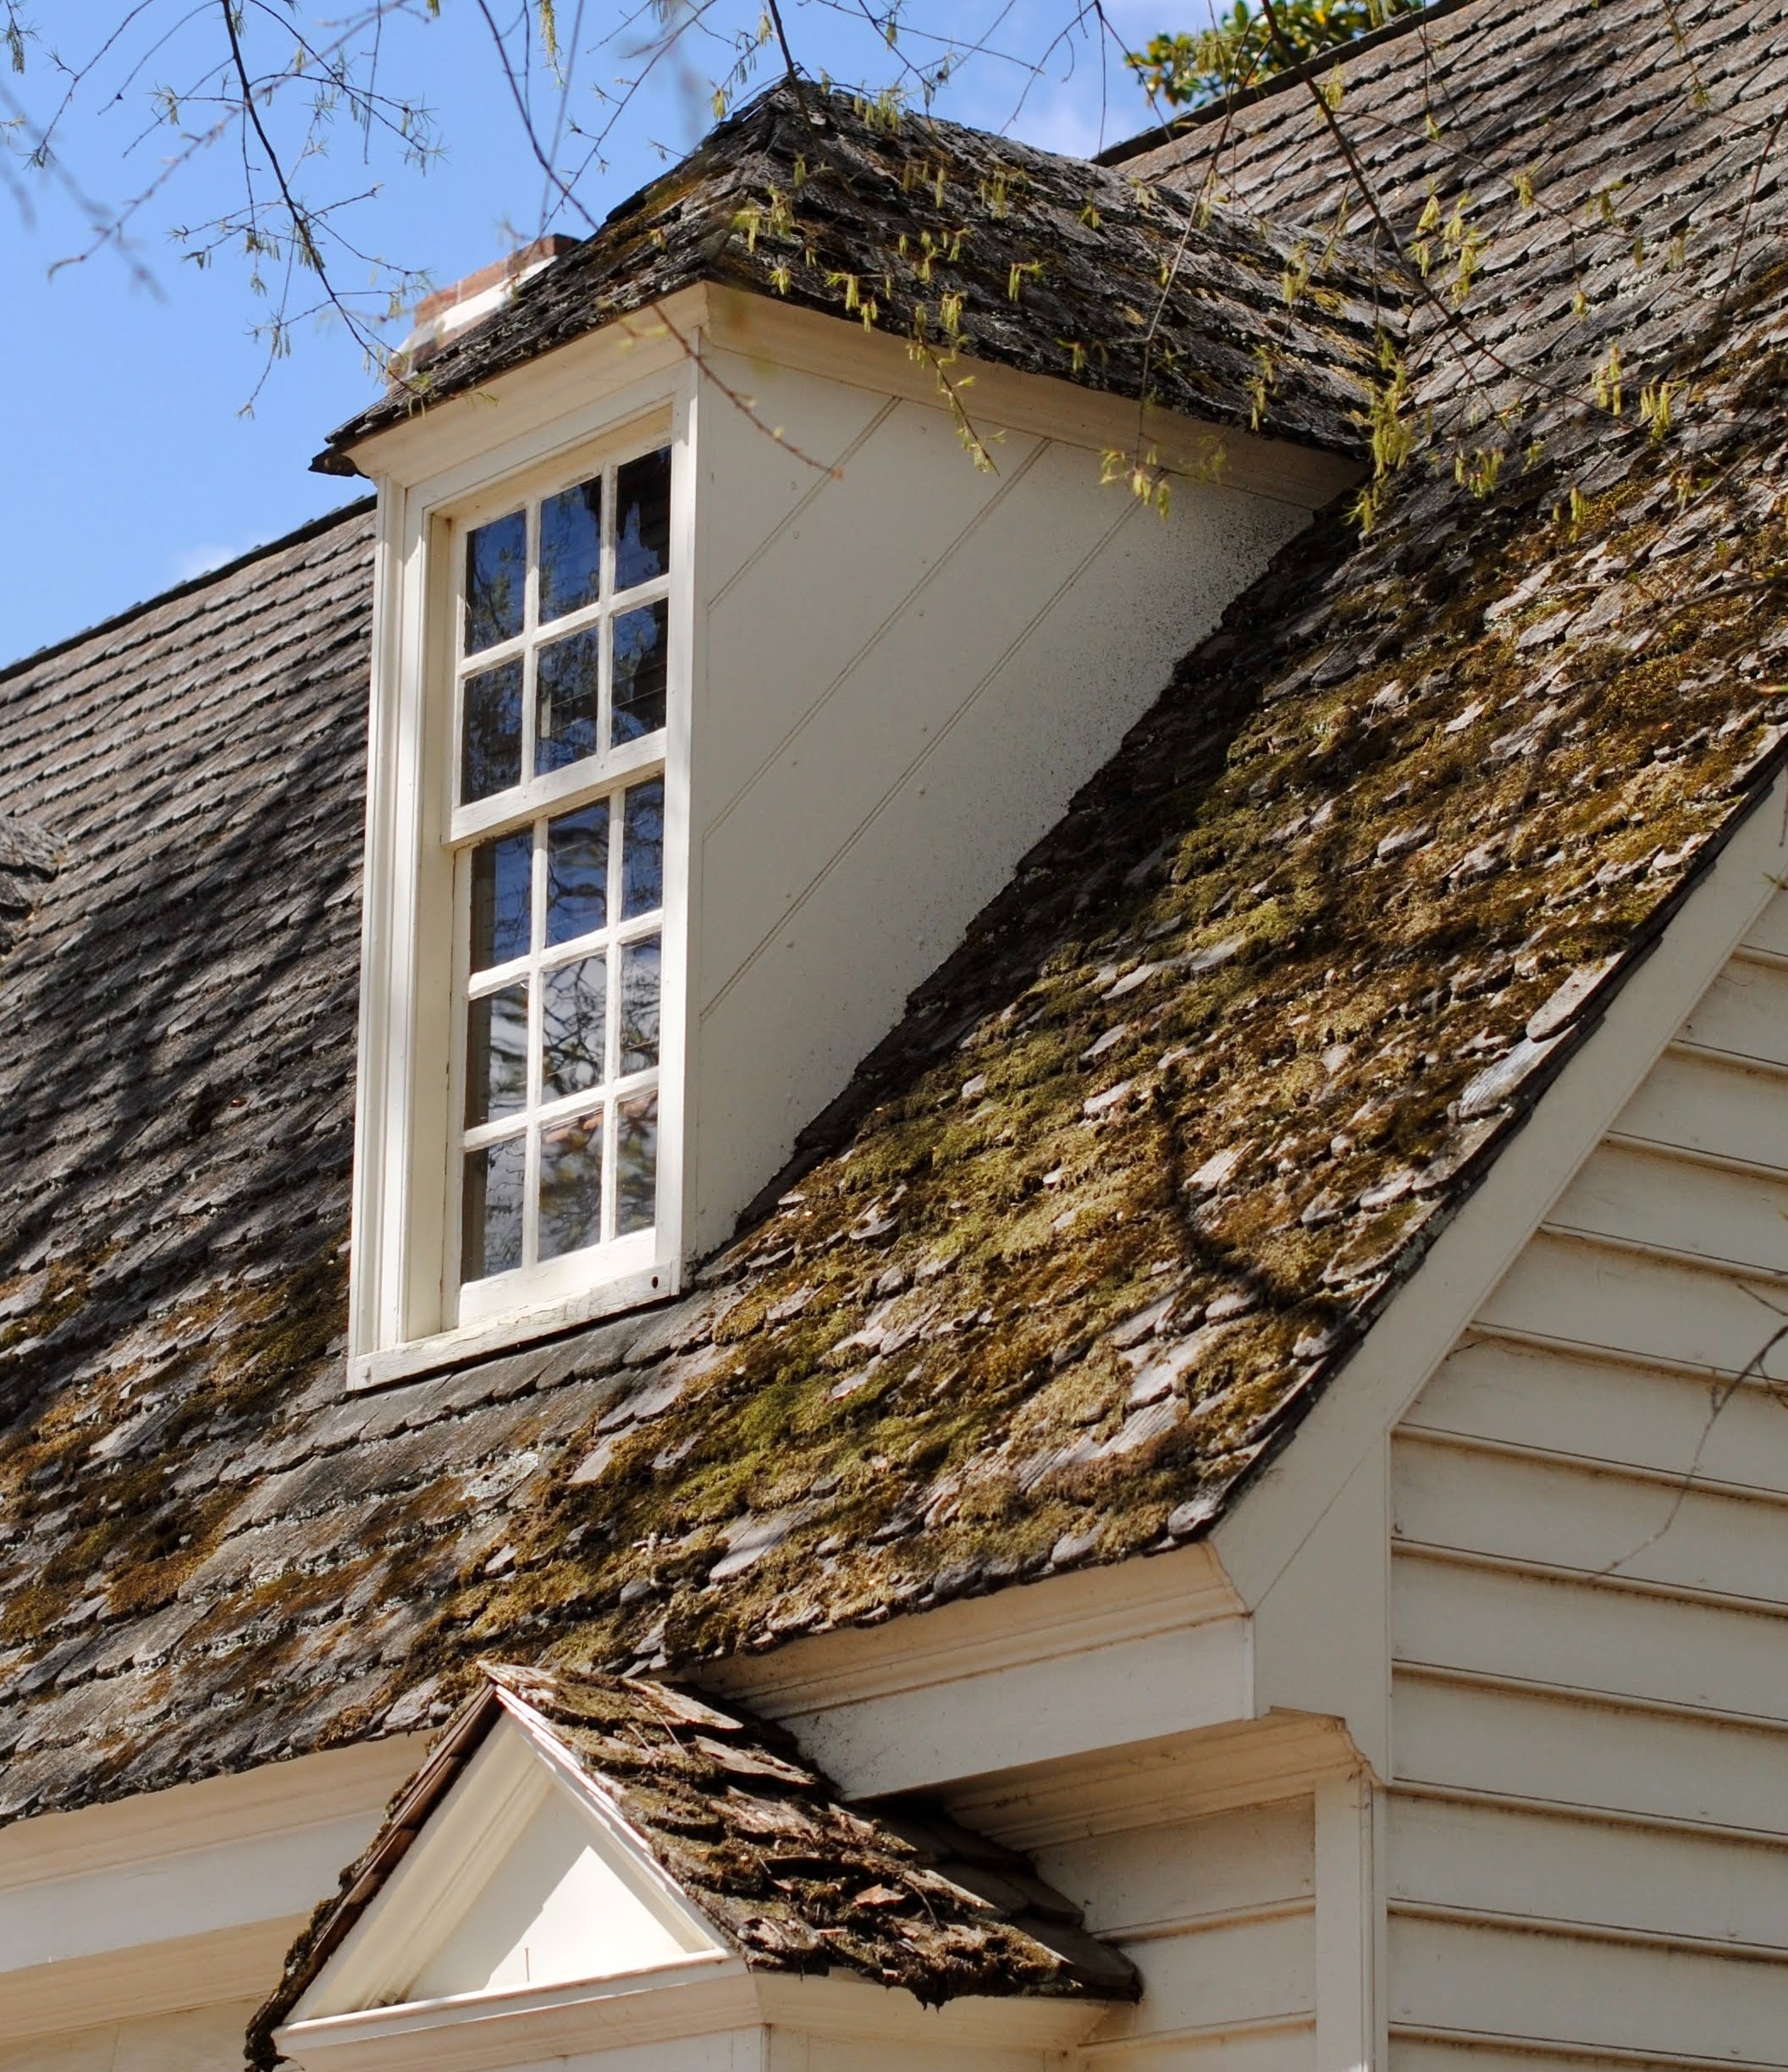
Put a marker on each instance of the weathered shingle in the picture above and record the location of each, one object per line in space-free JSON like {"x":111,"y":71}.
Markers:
{"x":970,"y":243}
{"x":1145,"y":1158}
{"x":785,"y":1873}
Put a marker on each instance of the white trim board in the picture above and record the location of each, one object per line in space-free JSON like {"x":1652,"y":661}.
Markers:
{"x":529,"y":398}
{"x":697,"y":2000}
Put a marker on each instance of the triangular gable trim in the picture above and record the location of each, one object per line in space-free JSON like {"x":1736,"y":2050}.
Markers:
{"x":462,"y":1831}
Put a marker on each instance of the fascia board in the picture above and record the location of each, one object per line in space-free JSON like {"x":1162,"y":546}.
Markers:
{"x":473,"y":2031}
{"x":529,"y":398}
{"x":1025,"y":1676}
{"x":152,"y":1978}
{"x":253,"y":1805}
{"x":1260,"y":1538}
{"x":701,"y":1998}
{"x":759,"y":327}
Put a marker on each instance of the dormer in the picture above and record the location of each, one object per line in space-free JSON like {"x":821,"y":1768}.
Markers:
{"x":757,"y":584}
{"x":596,"y":1867}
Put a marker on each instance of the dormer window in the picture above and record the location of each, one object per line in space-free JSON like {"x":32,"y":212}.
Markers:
{"x":561,"y":614}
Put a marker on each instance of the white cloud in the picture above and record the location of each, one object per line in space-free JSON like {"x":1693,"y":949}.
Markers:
{"x":199,"y":560}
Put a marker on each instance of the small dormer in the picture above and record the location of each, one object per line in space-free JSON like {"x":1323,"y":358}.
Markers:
{"x":758,"y":582}
{"x":587,"y":1865}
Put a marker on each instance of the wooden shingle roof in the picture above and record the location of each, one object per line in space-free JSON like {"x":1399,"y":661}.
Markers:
{"x":1144,"y":1159}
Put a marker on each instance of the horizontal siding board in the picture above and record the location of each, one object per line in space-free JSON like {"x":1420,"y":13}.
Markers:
{"x":1577,"y":1636}
{"x":1769,"y":931}
{"x":1534,"y":1745}
{"x":1575,"y":1294}
{"x":1183,"y":1870}
{"x":1719,"y":1109}
{"x":1282,"y":2047}
{"x":1647,"y":1199}
{"x":1245,"y":1972}
{"x":1500,"y":1861}
{"x":1671,"y":1530}
{"x":1526,"y":1396}
{"x":1743,"y":1012}
{"x":1564,"y":1989}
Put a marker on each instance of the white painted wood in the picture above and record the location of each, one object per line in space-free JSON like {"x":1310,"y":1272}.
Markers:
{"x":1524,"y":1863}
{"x":1662,"y":1525}
{"x":174,"y":1898}
{"x":1347,"y":1926}
{"x":1154,"y":1880}
{"x":1555,"y":1746}
{"x":1744,"y":1013}
{"x":524,"y":1875}
{"x":1275,"y":2045}
{"x":906,"y":675}
{"x":1589,"y":1992}
{"x":1653,"y":1199}
{"x":1603,"y":1409}
{"x":983,"y":1685}
{"x":1716,"y":1108}
{"x":1234,"y":1973}
{"x":198,"y":2040}
{"x":1570,"y":1293}
{"x":1320,"y":1631}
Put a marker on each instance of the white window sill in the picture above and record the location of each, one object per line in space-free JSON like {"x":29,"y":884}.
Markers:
{"x":497,"y":1335}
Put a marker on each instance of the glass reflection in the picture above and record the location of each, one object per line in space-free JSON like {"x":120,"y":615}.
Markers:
{"x":639,"y":978}
{"x":578,"y":872}
{"x":639,"y":673}
{"x":571,"y":1186}
{"x":566,"y":684}
{"x":571,"y":549}
{"x":496,"y":1055}
{"x":496,"y":581}
{"x":636,"y":1163}
{"x":642,"y":528}
{"x":643,"y":849}
{"x":574,"y":1005}
{"x":490,"y":1208}
{"x":490,"y":758}
{"x":502,"y":899}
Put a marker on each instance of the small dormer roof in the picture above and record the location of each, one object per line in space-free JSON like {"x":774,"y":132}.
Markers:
{"x":919,"y":228}
{"x":753,"y":1841}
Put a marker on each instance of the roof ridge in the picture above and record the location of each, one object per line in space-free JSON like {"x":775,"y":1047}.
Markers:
{"x":309,"y":530}
{"x":1171,"y":131}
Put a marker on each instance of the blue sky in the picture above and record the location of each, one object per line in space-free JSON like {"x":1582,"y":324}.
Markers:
{"x":131,"y":463}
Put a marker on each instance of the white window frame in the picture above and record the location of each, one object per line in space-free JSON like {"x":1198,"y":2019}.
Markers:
{"x":408,"y":1314}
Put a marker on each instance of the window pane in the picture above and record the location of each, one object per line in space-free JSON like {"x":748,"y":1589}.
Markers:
{"x":578,"y":872}
{"x":496,"y":1055}
{"x":571,"y":549}
{"x":496,"y":581}
{"x":635,"y":1163}
{"x":639,"y":673}
{"x":502,"y":899}
{"x":564,"y":701}
{"x":642,"y":850}
{"x":571,"y":1186}
{"x":639,"y":963}
{"x":491,"y":755}
{"x":490,"y":1213}
{"x":643,"y":526}
{"x":574,"y":1002}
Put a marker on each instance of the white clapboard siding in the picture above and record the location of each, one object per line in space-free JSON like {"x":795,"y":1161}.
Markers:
{"x":1586,"y":1842}
{"x":1597,"y":1410}
{"x":1219,"y":1914}
{"x":204,"y":2039}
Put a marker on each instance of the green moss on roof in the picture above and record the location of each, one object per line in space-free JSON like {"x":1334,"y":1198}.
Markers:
{"x":1092,"y":1229}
